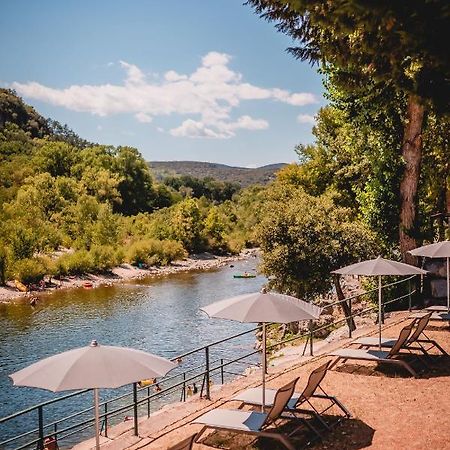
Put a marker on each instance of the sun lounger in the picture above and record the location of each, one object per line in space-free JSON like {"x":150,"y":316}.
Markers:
{"x":251,"y":422}
{"x":254,"y":397}
{"x":438,"y":316}
{"x":414,"y":338}
{"x":185,"y":444}
{"x":437,"y":308}
{"x":378,"y":356}
{"x":435,"y":316}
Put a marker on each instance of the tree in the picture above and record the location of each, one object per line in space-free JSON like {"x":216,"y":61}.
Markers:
{"x":136,"y":185}
{"x":399,"y":44}
{"x":187,"y":225}
{"x":304,"y":238}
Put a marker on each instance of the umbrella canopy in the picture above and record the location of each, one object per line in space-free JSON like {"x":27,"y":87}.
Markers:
{"x":379,"y":267}
{"x":263,"y":307}
{"x":92,"y":367}
{"x":437,"y":250}
{"x":266,"y":308}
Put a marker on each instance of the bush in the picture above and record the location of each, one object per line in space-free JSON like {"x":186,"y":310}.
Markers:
{"x":104,"y":257}
{"x":155,"y":252}
{"x":76,"y":263}
{"x":29,"y":270}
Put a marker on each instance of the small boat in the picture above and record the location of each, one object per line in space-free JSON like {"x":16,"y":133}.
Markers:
{"x":88,"y":285}
{"x":244,"y":275}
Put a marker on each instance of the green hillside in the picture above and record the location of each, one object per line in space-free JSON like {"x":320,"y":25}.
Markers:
{"x":242,"y":175}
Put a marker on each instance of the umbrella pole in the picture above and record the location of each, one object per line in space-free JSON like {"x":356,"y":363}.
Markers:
{"x":448,"y":284}
{"x":97,"y":420}
{"x":379,"y":312}
{"x":263,"y":404}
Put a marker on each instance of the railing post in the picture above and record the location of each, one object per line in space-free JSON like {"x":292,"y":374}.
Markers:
{"x":148,"y":402}
{"x":40,"y":445}
{"x":221,"y":370}
{"x":184,"y":387}
{"x":135,"y":410}
{"x":409,"y":296}
{"x":350,"y":318}
{"x":106,"y":419}
{"x":207,"y":378}
{"x":311,"y":335}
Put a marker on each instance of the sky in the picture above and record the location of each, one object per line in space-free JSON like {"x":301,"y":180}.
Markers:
{"x":202,"y":80}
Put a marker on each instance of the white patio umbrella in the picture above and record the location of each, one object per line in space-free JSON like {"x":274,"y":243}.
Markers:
{"x":262,"y":307}
{"x":437,"y":250}
{"x":92,"y":367}
{"x":379,"y":267}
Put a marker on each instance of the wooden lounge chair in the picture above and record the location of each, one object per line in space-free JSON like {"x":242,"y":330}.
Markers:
{"x":378,"y":356}
{"x":185,"y":444}
{"x":254,"y":397}
{"x":415,"y":338}
{"x":251,"y":422}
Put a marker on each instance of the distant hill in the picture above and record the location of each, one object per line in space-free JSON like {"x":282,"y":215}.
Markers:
{"x":242,"y":175}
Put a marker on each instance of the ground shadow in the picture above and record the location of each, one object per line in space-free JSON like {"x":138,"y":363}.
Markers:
{"x":349,"y":434}
{"x":436,"y":366}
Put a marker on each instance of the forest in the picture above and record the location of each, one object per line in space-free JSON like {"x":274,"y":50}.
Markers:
{"x":370,"y":184}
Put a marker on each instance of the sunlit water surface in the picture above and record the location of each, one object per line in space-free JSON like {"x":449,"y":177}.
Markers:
{"x":156,"y":315}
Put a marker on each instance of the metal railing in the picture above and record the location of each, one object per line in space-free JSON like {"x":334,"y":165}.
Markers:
{"x":142,"y":398}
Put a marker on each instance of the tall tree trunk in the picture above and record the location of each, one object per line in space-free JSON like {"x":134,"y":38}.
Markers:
{"x":346,"y":309}
{"x":412,"y":155}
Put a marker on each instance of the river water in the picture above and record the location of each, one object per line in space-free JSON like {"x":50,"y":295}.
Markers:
{"x":159,"y":315}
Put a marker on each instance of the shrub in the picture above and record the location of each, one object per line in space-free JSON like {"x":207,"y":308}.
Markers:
{"x":29,"y":270}
{"x":76,"y":263}
{"x":155,"y":252}
{"x":104,"y":257}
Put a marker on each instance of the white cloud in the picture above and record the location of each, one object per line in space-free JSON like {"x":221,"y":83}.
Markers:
{"x":143,"y":117}
{"x":306,"y":118}
{"x":206,"y":97}
{"x":221,"y":130}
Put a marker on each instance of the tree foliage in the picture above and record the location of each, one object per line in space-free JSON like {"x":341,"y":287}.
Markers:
{"x":304,"y":237}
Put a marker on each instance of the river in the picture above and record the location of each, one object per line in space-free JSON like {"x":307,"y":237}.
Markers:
{"x":158,"y":315}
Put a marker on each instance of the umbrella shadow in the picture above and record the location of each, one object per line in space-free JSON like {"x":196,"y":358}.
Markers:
{"x":438,"y":366}
{"x":351,"y":434}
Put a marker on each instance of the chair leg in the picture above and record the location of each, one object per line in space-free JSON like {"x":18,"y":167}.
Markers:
{"x":407,"y":367}
{"x":199,"y":434}
{"x":334,"y":363}
{"x":307,"y":424}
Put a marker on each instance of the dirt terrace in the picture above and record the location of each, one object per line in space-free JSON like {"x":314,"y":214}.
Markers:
{"x":391,"y":410}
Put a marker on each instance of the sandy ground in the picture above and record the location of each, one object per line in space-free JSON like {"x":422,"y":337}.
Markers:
{"x":390,"y":409}
{"x":125,"y":272}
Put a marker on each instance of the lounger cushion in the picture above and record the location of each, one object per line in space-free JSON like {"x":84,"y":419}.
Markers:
{"x":434,"y":316}
{"x":438,"y":308}
{"x":254,"y":397}
{"x":372,"y":341}
{"x":369,"y":355}
{"x":247,"y":421}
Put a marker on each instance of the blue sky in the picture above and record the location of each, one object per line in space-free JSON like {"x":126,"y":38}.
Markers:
{"x":203,"y":80}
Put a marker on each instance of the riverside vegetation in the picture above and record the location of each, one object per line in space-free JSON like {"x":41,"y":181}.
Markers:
{"x":365,"y":187}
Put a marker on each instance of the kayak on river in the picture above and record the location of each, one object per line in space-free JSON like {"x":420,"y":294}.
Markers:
{"x":244,"y":275}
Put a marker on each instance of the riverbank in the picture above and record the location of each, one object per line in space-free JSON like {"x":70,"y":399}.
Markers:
{"x":124,"y":273}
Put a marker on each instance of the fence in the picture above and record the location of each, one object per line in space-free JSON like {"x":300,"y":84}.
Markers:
{"x":141,"y":399}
